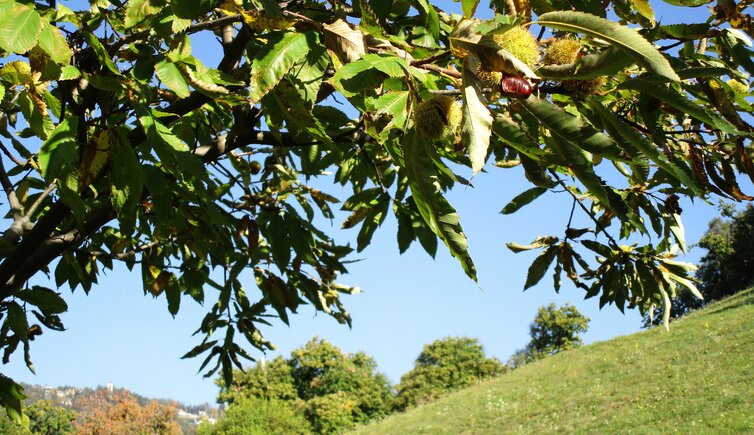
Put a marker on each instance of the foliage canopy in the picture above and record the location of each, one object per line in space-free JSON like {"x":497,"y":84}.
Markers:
{"x":553,"y":329}
{"x":726,"y":267}
{"x":329,"y":390}
{"x":445,"y":365}
{"x":119,"y":144}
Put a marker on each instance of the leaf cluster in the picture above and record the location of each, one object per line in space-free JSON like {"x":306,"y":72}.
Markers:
{"x":121,"y":144}
{"x":331,"y":391}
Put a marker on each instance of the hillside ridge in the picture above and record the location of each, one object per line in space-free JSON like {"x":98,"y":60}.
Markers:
{"x":698,"y":376}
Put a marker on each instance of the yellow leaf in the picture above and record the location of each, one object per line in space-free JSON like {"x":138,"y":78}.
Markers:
{"x":160,"y":283}
{"x":347,"y":43}
{"x":154,"y":271}
{"x":644,"y":9}
{"x":17,"y":72}
{"x":94,"y":157}
{"x":230,"y":7}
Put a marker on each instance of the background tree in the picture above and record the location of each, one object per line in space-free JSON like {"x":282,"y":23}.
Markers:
{"x":333,"y":390}
{"x":258,"y":416}
{"x":120,"y":144}
{"x":445,"y":365}
{"x":266,"y":380}
{"x":726,"y":268}
{"x":105,"y":412}
{"x":44,"y":419}
{"x":553,"y":330}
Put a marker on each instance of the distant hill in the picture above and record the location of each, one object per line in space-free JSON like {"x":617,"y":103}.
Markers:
{"x":696,"y":378}
{"x":71,"y":397}
{"x":66,"y":396}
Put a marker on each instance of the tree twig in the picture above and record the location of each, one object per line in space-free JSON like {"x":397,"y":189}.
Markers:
{"x":431,"y":59}
{"x":583,"y":207}
{"x":10,"y":155}
{"x":41,"y":198}
{"x":448,"y":72}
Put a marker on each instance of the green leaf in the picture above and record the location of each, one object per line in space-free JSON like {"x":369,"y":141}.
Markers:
{"x":58,"y":154}
{"x":626,"y":38}
{"x":539,"y":242}
{"x":666,"y":307}
{"x":644,"y":9}
{"x":171,"y":76}
{"x":17,"y":72}
{"x":676,"y":227}
{"x":275,"y":59}
{"x":522,"y":199}
{"x":126,"y":179}
{"x":102,"y":55}
{"x":199,"y":349}
{"x":540,"y":265}
{"x":735,"y":44}
{"x":687,"y":3}
{"x":696,"y":72}
{"x":626,"y":135}
{"x":605,"y":63}
{"x":686,"y":283}
{"x":280,"y":244}
{"x":469,"y":7}
{"x":597,"y":247}
{"x":431,"y":18}
{"x":20,"y":27}
{"x":54,"y":43}
{"x":433,"y":207}
{"x":192,"y":8}
{"x":171,"y":149}
{"x":173,"y":295}
{"x":570,"y":128}
{"x":477,"y":120}
{"x":17,"y":320}
{"x":297,"y":112}
{"x":393,"y":104}
{"x":374,"y":218}
{"x":513,"y":135}
{"x":367,"y":73}
{"x":688,"y":31}
{"x":680,"y":102}
{"x":12,"y":398}
{"x":45,"y":299}
{"x":139,"y":10}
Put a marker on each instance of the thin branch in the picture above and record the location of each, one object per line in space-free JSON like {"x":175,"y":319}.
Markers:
{"x":31,"y":241}
{"x":138,"y":36}
{"x":10,"y":155}
{"x":431,"y":59}
{"x":13,"y":202}
{"x":668,"y":47}
{"x":13,"y":233}
{"x":570,"y":218}
{"x":687,"y":131}
{"x":123,"y":256}
{"x":41,"y":198}
{"x":51,"y":248}
{"x":587,"y":211}
{"x":448,"y":72}
{"x":304,"y":18}
{"x":363,"y":150}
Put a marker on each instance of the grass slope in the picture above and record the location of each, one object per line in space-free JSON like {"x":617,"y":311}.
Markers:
{"x":696,"y":378}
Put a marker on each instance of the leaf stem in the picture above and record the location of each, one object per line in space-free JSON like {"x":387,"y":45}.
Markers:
{"x":577,"y":200}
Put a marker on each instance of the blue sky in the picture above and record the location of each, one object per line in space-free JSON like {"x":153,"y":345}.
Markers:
{"x":117,"y":334}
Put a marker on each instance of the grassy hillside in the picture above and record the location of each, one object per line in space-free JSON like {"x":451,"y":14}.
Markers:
{"x":696,"y":378}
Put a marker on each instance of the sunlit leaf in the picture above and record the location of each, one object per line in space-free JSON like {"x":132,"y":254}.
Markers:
{"x":626,"y":38}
